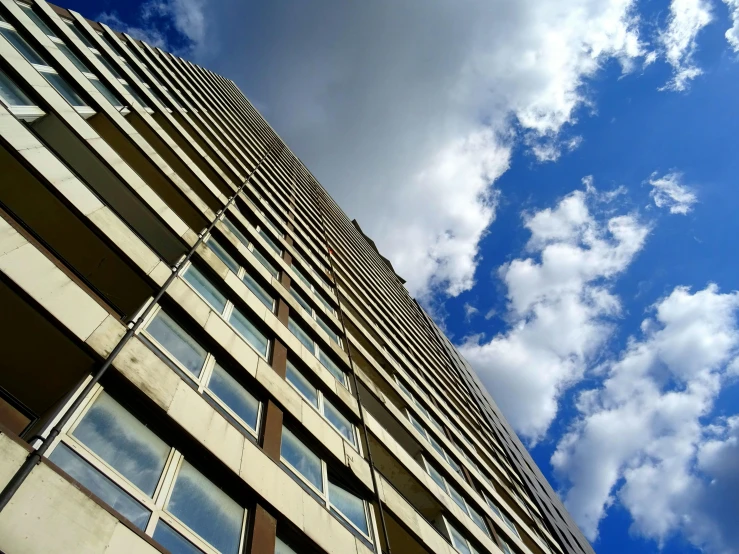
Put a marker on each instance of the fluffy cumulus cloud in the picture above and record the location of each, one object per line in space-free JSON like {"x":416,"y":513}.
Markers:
{"x":560,"y":307}
{"x":642,"y":439}
{"x":670,"y":193}
{"x":686,"y":20}
{"x":732,"y":34}
{"x":407,"y":111}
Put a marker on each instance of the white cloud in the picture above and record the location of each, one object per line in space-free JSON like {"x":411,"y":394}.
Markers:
{"x":640,"y":440}
{"x":407,"y":112}
{"x":679,"y":40}
{"x":178,"y":26}
{"x":469,"y":311}
{"x":560,"y":308}
{"x":732,"y":34}
{"x":669,"y":192}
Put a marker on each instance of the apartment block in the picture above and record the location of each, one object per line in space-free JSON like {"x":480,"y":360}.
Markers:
{"x":200,"y":352}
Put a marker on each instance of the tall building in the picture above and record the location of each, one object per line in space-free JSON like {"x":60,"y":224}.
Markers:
{"x":200,"y":352}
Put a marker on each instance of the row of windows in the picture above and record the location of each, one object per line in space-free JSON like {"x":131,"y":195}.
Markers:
{"x":159,"y":490}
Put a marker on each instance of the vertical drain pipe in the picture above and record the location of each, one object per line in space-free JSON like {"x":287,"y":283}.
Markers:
{"x":383,"y":524}
{"x":34,"y":457}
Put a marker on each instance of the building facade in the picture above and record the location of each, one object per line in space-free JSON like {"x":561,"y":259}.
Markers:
{"x":200,"y":352}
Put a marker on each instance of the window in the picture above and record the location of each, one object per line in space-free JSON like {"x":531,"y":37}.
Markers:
{"x":311,"y":472}
{"x":306,"y":340}
{"x":434,"y":443}
{"x":505,"y":547}
{"x":456,"y":496}
{"x":282,"y":548}
{"x":458,"y":540}
{"x":16,"y":100}
{"x":128,"y":466}
{"x":316,"y":399}
{"x":314,"y":314}
{"x":182,"y":352}
{"x":242,"y":273}
{"x":501,"y":514}
{"x":436,"y":423}
{"x":315,"y":290}
{"x":100,"y":56}
{"x":268,"y":238}
{"x":224,"y":307}
{"x":269,"y":266}
{"x":48,"y":72}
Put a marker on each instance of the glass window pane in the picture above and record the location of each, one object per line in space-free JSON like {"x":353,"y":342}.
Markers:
{"x":22,"y":46}
{"x":235,"y":396}
{"x":301,"y":459}
{"x":173,"y":541}
{"x":337,"y":419}
{"x":435,"y":422}
{"x":80,"y":35}
{"x":301,"y":335}
{"x":477,"y":518}
{"x":136,"y":95}
{"x":282,"y":548}
{"x":300,"y":274}
{"x":349,"y":505}
{"x":272,"y":244}
{"x":11,"y":93}
{"x":458,"y":498}
{"x":459,"y":542}
{"x":103,"y":60}
{"x":303,"y":303}
{"x":206,"y":289}
{"x":63,"y":88}
{"x":329,"y":364}
{"x":105,"y":91}
{"x":420,"y":428}
{"x":101,"y":486}
{"x":37,"y":20}
{"x":206,"y":509}
{"x":436,"y":476}
{"x":331,"y":333}
{"x":302,"y":384}
{"x":493,"y":507}
{"x":225,"y":257}
{"x":239,"y":235}
{"x":325,"y":302}
{"x":506,"y":547}
{"x":124,"y":442}
{"x":259,"y":292}
{"x":247,"y":330}
{"x":177,"y":342}
{"x":266,"y":263}
{"x":78,"y":63}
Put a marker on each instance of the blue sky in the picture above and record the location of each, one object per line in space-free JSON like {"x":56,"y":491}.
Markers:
{"x":556,"y":180}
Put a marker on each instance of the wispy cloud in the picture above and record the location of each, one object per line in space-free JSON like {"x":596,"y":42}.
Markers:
{"x":679,"y":40}
{"x":669,"y":192}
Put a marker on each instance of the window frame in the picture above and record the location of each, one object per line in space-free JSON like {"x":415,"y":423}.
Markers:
{"x":157,"y":502}
{"x":249,"y":245}
{"x":202,"y":381}
{"x":317,"y":351}
{"x":85,"y":110}
{"x":321,"y":400}
{"x":448,"y":488}
{"x":324,"y":497}
{"x":241,"y":272}
{"x":25,"y":112}
{"x":228,"y":310}
{"x":498,"y":511}
{"x":449,"y":527}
